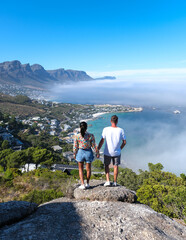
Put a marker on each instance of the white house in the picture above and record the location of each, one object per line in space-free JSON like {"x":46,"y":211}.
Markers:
{"x":57,"y":148}
{"x":69,"y":155}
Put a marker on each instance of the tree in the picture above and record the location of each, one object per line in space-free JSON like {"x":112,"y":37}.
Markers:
{"x":42,"y":156}
{"x":12,"y":123}
{"x":16,"y":159}
{"x":49,"y":160}
{"x":1,"y":116}
{"x":22,"y":99}
{"x":29,"y":156}
{"x":3,"y":159}
{"x":6,"y":117}
{"x":155,"y":167}
{"x":5,"y":144}
{"x":1,"y":140}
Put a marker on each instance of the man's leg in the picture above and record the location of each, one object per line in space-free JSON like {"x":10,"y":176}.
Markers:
{"x":107,"y":160}
{"x":81,"y":165}
{"x":107,"y":172}
{"x":116,"y":162}
{"x":115,"y":173}
{"x":88,"y":168}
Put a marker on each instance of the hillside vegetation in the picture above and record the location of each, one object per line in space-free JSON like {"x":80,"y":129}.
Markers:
{"x":162,"y":191}
{"x":23,"y":106}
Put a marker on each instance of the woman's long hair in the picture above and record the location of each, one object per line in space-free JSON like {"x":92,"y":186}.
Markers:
{"x":83,"y":128}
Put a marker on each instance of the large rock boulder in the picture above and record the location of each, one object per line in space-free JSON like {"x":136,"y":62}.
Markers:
{"x":13,"y":211}
{"x":98,"y":192}
{"x":79,"y":220}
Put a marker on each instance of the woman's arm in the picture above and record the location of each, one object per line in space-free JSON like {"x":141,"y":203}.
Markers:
{"x":75,"y":147}
{"x":93,"y":145}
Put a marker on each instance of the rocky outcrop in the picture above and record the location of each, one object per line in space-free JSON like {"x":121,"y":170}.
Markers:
{"x":90,"y":219}
{"x":100,"y":193}
{"x":69,"y":75}
{"x":79,"y":220}
{"x":13,"y":211}
{"x":14,"y":72}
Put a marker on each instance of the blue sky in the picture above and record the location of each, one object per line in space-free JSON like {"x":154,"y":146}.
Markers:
{"x":99,"y":37}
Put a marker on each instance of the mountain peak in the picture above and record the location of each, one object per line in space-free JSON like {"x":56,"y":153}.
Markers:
{"x":13,"y":72}
{"x":11,"y":64}
{"x":36,"y":67}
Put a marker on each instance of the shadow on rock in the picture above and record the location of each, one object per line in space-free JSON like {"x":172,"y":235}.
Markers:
{"x":51,"y":221}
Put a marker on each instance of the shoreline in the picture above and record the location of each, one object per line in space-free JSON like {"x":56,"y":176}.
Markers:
{"x":94,"y":117}
{"x":97,"y":115}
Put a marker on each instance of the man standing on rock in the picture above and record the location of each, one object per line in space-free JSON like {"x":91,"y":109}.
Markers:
{"x":115,"y":140}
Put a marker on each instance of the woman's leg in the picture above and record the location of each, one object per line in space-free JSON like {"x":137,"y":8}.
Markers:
{"x":88,"y":168}
{"x":81,"y":165}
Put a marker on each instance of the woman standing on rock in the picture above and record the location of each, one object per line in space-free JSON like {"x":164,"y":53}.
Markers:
{"x":83,"y":144}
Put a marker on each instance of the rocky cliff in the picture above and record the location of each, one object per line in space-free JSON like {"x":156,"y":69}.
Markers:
{"x":14,"y":72}
{"x":76,"y":219}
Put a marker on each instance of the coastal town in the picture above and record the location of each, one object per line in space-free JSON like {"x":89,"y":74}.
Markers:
{"x":62,"y":126}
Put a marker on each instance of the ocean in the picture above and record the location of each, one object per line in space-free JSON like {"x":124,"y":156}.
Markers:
{"x":153,"y":135}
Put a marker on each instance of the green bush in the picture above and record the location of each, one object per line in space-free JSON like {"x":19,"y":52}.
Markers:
{"x":9,"y":184}
{"x":16,"y":172}
{"x":1,"y":169}
{"x":41,"y":196}
{"x":98,"y":176}
{"x":75,"y":173}
{"x":128,"y":178}
{"x":98,"y":164}
{"x":8,"y":175}
{"x":165,"y":193}
{"x":46,"y":173}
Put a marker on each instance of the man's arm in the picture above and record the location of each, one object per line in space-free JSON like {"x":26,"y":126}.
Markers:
{"x":100,"y":143}
{"x":123,"y":144}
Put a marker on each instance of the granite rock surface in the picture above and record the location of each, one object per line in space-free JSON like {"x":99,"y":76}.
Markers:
{"x":74,"y":219}
{"x":98,"y":192}
{"x":96,"y":213}
{"x":15,"y":210}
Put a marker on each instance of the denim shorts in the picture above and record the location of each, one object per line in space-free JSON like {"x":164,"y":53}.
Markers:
{"x":85,"y":155}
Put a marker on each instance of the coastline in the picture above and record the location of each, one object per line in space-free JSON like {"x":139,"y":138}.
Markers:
{"x":94,"y":117}
{"x":97,"y":115}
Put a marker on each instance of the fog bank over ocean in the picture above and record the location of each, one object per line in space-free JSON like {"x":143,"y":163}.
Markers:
{"x":129,"y":92}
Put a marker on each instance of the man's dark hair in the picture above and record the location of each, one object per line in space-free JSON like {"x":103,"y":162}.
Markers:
{"x":114,"y":119}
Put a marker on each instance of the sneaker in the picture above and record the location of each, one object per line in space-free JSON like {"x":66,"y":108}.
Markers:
{"x":114,"y":184}
{"x":82,"y":187}
{"x":107,"y":184}
{"x":87,"y":185}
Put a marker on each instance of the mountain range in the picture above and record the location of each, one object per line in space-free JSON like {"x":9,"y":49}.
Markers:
{"x":13,"y":72}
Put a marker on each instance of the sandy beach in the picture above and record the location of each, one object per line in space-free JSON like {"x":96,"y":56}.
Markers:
{"x":94,"y":116}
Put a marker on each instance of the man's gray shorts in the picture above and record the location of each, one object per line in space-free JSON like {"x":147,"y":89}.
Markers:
{"x":115,"y":160}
